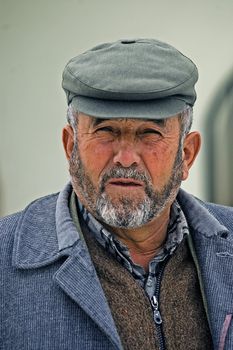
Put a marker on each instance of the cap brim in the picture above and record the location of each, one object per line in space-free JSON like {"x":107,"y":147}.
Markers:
{"x":148,"y":109}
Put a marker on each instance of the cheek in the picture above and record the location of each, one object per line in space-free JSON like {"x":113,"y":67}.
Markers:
{"x":95,"y":158}
{"x":159,"y":163}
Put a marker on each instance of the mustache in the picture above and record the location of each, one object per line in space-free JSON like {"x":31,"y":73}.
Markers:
{"x":126,"y":173}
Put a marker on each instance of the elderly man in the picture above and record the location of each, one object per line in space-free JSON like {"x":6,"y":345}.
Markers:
{"x":122,"y":258}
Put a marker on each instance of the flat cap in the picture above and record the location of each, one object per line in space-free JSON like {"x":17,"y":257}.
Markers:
{"x":141,"y":78}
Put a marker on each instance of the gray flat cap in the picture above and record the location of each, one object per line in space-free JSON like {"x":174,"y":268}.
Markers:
{"x":141,"y":78}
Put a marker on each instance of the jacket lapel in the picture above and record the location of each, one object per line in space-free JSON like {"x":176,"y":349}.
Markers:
{"x":78,"y":279}
{"x":213,"y":254}
{"x":37,"y":244}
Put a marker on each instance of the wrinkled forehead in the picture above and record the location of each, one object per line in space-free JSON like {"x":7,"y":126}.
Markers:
{"x":169,"y":124}
{"x":122,"y":121}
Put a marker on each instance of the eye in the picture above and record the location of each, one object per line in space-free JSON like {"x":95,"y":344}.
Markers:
{"x":105,"y":129}
{"x":149,"y":135}
{"x":150,"y":131}
{"x":105,"y":133}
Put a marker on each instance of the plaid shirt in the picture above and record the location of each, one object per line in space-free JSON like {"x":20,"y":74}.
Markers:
{"x":177,"y":230}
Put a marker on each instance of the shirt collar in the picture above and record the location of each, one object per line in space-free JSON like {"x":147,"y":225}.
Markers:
{"x":177,"y":230}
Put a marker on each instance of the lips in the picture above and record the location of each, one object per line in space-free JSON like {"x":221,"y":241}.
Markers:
{"x":122,"y":182}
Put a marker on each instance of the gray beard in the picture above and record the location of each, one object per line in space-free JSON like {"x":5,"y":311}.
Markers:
{"x":126,"y":211}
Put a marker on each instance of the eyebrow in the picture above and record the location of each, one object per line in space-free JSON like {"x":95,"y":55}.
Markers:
{"x":158,"y":122}
{"x":97,"y":121}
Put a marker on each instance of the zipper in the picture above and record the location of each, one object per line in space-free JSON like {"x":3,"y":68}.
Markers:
{"x":156,"y":313}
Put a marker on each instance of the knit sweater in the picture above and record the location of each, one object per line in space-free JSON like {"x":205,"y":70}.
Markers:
{"x":184,"y":326}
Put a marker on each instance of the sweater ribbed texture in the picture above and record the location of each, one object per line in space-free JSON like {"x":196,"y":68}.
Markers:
{"x":184,"y":325}
{"x":131,"y":309}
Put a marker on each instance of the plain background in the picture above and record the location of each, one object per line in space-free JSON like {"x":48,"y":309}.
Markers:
{"x":39,"y":37}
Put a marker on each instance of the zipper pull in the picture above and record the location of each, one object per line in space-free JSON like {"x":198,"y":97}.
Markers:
{"x":155,"y":305}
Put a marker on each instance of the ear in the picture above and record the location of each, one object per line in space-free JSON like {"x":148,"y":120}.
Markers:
{"x":192,"y":144}
{"x":68,"y":140}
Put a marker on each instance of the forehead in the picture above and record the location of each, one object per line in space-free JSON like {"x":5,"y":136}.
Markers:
{"x":93,"y":122}
{"x":129,"y":121}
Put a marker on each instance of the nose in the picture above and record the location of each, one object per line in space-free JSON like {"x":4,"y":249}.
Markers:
{"x":126,"y":155}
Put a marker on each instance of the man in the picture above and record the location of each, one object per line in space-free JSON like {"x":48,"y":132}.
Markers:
{"x":122,"y":258}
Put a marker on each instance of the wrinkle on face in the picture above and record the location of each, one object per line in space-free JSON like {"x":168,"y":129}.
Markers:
{"x":148,"y":148}
{"x":128,"y":133}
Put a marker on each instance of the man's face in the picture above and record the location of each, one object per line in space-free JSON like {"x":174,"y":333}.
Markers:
{"x":126,"y":171}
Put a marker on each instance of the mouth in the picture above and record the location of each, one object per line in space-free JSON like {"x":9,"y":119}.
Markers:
{"x":126,"y":183}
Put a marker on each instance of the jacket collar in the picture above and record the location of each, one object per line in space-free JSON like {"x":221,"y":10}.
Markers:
{"x":198,"y":215}
{"x":46,"y":232}
{"x":45,"y":226}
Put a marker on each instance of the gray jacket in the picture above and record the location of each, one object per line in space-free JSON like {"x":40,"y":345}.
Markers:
{"x":51,"y":297}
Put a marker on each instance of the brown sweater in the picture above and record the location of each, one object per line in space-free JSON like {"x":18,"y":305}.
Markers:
{"x":185,"y":326}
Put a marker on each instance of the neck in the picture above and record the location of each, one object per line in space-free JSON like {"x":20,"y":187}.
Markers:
{"x":144,"y":242}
